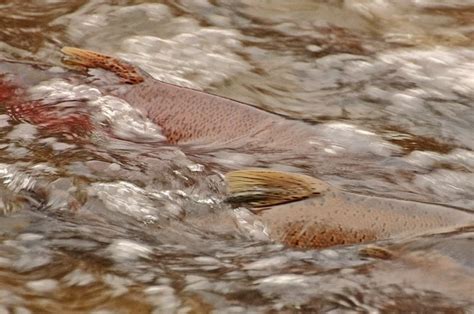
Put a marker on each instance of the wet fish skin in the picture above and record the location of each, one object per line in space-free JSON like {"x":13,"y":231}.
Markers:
{"x":340,"y":218}
{"x":325,"y":216}
{"x":185,"y":115}
{"x":330,"y":219}
{"x":16,"y":78}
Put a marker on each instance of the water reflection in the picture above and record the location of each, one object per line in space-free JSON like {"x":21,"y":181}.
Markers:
{"x":104,"y":215}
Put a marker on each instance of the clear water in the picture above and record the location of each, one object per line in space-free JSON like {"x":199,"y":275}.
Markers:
{"x":134,"y":225}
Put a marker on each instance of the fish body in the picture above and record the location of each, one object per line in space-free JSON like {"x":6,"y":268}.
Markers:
{"x":299,"y":210}
{"x":186,"y":115}
{"x":302,"y":211}
{"x":339,"y":218}
{"x":60,"y":116}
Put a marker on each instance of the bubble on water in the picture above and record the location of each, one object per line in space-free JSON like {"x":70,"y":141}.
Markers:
{"x":267,"y":263}
{"x":458,"y":157}
{"x":30,"y":237}
{"x":15,"y":179}
{"x":163,"y":297}
{"x":283,"y":280}
{"x":179,"y":48}
{"x":15,"y":151}
{"x":147,"y":277}
{"x":153,"y":290}
{"x":124,"y":197}
{"x":56,"y":69}
{"x":195,"y":282}
{"x":314,"y":48}
{"x":58,"y":146}
{"x":441,"y":111}
{"x":114,"y":167}
{"x":127,"y":250}
{"x":350,"y":87}
{"x":118,"y":284}
{"x":329,"y":253}
{"x":207,"y":260}
{"x":79,"y":278}
{"x":23,"y":132}
{"x":174,"y":54}
{"x":60,"y":194}
{"x":233,"y":159}
{"x":449,"y":185}
{"x":347,"y":138}
{"x":251,"y":225}
{"x":347,"y":271}
{"x":59,"y":90}
{"x":196,"y":167}
{"x":31,"y":260}
{"x":454,"y":184}
{"x":43,"y":285}
{"x":126,"y":121}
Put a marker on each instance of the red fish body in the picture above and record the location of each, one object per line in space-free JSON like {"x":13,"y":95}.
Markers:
{"x":184,"y":115}
{"x":16,"y":79}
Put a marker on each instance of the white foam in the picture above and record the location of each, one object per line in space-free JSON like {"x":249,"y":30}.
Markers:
{"x":124,"y":250}
{"x":118,"y":284}
{"x":284,"y":280}
{"x":344,"y":137}
{"x":43,"y":285}
{"x":126,"y":121}
{"x":79,"y":278}
{"x":179,"y":51}
{"x":126,"y":198}
{"x":15,"y":179}
{"x":267,"y":263}
{"x":58,"y":89}
{"x":30,"y":237}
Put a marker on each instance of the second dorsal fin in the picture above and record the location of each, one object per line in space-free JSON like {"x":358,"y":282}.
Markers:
{"x":90,"y":59}
{"x":264,"y":187}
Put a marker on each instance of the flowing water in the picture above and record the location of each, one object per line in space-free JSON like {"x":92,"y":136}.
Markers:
{"x":118,"y":221}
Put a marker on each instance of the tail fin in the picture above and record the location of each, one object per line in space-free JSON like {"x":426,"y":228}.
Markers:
{"x":90,"y":59}
{"x":265,"y":187}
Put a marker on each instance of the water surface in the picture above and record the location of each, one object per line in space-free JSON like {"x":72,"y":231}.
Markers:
{"x":127,"y":223}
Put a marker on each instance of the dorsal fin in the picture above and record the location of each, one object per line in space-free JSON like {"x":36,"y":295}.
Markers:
{"x":265,"y":187}
{"x":89,"y":59}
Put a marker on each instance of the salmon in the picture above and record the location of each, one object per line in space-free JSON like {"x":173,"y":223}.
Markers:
{"x":16,"y":78}
{"x":305,"y":212}
{"x":187,"y":115}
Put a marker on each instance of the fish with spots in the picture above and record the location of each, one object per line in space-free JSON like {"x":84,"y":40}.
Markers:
{"x":302,"y":211}
{"x":60,"y":116}
{"x":188,"y":116}
{"x":299,"y":210}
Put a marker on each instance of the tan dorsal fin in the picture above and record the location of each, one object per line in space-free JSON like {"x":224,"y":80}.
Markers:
{"x":264,"y":187}
{"x":89,"y":59}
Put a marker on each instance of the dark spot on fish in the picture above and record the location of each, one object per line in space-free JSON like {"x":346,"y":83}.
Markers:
{"x":302,"y":235}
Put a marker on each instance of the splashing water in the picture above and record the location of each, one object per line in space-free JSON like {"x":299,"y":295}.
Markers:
{"x":99,"y":213}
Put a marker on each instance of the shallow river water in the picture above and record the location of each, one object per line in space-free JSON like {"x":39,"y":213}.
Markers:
{"x":129,"y":224}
